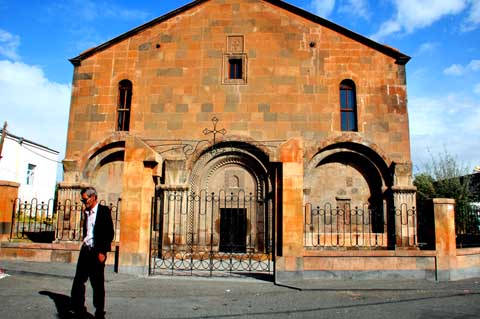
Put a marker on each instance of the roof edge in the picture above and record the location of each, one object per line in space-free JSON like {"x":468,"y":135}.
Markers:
{"x":76,"y":61}
{"x":399,"y":57}
{"x":20,"y":140}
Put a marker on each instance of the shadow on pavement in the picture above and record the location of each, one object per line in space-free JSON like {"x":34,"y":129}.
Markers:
{"x":63,"y":305}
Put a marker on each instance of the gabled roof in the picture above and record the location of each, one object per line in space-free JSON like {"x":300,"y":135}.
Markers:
{"x":397,"y":55}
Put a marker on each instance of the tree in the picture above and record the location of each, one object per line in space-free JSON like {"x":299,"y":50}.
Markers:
{"x":445,"y":177}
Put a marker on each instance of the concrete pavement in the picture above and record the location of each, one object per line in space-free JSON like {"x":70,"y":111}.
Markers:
{"x":41,"y":290}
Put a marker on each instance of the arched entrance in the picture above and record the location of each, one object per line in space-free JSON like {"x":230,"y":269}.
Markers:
{"x":222,"y":220}
{"x":347,"y":198}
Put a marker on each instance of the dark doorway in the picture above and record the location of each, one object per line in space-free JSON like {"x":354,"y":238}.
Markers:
{"x":233,"y":230}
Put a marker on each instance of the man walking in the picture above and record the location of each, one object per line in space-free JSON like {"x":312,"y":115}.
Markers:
{"x":97,"y":237}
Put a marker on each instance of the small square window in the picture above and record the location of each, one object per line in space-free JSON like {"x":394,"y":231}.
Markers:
{"x":234,"y":69}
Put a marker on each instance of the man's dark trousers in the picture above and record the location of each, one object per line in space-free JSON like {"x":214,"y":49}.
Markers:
{"x":89,"y":267}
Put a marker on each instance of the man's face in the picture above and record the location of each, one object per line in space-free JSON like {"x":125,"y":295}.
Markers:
{"x":88,"y":201}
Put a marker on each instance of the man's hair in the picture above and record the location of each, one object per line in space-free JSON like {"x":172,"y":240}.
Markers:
{"x":89,"y":191}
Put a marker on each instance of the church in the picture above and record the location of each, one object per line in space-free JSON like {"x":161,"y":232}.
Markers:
{"x":246,"y":136}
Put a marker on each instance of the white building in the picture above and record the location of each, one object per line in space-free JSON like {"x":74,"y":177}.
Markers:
{"x":30,"y":164}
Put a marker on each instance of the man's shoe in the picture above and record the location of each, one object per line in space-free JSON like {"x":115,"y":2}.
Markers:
{"x":80,"y":313}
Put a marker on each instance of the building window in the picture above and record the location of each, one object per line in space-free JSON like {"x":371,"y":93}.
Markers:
{"x":348,"y":106}
{"x":124,"y":105}
{"x":235,"y":61}
{"x":235,"y":69}
{"x":30,"y":173}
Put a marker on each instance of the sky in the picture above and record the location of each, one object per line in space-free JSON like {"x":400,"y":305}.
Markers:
{"x":37,"y":37}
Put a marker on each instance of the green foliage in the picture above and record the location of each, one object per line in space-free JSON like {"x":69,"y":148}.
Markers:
{"x":444,"y":177}
{"x":425,"y":188}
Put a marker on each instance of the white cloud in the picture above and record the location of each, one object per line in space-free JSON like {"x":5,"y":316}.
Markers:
{"x":476,"y":89}
{"x":455,"y":70}
{"x":473,"y":19}
{"x":87,"y":20}
{"x":449,"y":122}
{"x":413,"y":14}
{"x":458,"y":70}
{"x":323,"y":8}
{"x":358,"y":8}
{"x":427,"y":47}
{"x":8,"y":45}
{"x":34,"y":107}
{"x":474,"y":65}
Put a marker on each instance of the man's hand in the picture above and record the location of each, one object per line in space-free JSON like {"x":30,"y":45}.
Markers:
{"x":102,"y":257}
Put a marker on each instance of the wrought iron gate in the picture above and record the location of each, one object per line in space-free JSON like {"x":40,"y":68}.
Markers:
{"x":211,"y":234}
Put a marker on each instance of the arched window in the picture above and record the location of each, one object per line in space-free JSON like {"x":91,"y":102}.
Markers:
{"x":124,"y":105}
{"x":348,"y":106}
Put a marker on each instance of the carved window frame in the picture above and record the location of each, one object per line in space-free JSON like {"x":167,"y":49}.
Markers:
{"x":226,"y":68}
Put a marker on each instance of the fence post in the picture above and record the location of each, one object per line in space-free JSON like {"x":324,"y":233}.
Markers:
{"x":8,"y":194}
{"x":445,"y":241}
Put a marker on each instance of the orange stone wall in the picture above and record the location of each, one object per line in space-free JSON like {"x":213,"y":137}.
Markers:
{"x":294,"y":67}
{"x":8,"y":195}
{"x":292,"y":89}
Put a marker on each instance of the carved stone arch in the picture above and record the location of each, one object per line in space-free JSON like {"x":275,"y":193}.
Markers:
{"x":260,"y":150}
{"x":349,"y":175}
{"x":360,"y":169}
{"x":353,"y":140}
{"x":247,"y":164}
{"x":372,"y":155}
{"x":111,"y":152}
{"x":104,"y":170}
{"x":242,"y":154}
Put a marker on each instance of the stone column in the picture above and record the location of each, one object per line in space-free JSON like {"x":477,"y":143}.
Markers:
{"x":141,"y":167}
{"x":290,"y":263}
{"x":69,"y":211}
{"x":445,"y":239}
{"x":8,"y":195}
{"x":404,"y":210}
{"x":405,"y":216}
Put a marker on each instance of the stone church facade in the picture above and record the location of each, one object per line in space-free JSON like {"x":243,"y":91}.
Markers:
{"x":244,"y":127}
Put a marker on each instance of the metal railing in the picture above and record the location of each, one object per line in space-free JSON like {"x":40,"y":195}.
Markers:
{"x":210,"y":234}
{"x":467,"y":226}
{"x":52,"y":220}
{"x":33,"y":220}
{"x":363,"y":226}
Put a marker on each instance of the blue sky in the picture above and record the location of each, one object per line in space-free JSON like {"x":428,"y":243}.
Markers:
{"x":442,"y":36}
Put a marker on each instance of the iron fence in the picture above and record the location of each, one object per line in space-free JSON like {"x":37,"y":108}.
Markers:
{"x":467,"y":225}
{"x":363,"y":226}
{"x":223,"y":233}
{"x":33,"y":220}
{"x":54,"y":220}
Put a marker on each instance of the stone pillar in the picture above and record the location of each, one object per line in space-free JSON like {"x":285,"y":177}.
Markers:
{"x":8,"y":195}
{"x":445,"y":239}
{"x":70,"y":191}
{"x":141,"y":167}
{"x":405,"y":216}
{"x":69,"y":210}
{"x":404,"y":210}
{"x":290,"y":263}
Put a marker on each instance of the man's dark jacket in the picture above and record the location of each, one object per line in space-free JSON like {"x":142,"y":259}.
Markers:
{"x":102,"y":231}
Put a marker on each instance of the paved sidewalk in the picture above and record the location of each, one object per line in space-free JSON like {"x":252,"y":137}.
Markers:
{"x":63,"y":270}
{"x":41,"y":290}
